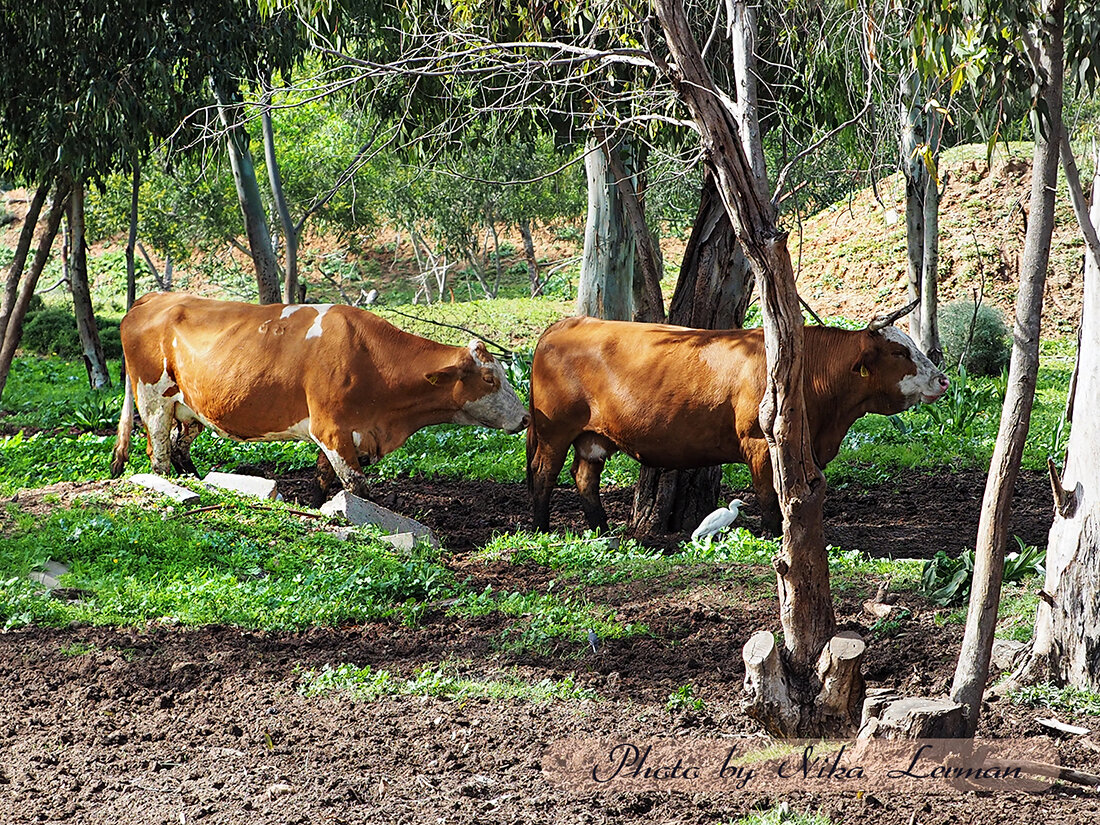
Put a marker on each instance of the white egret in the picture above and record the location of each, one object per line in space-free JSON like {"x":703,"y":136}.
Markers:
{"x":718,"y":521}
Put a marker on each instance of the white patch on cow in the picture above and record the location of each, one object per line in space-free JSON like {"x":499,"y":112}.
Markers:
{"x":927,"y":383}
{"x":295,"y":432}
{"x":501,"y":409}
{"x":157,"y":411}
{"x":315,"y":330}
{"x":175,"y":342}
{"x":356,"y":438}
{"x":593,"y":452}
{"x":343,"y":470}
{"x":472,"y":346}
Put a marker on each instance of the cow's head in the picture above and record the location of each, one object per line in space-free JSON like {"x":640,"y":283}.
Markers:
{"x":481,"y":390}
{"x":896,"y":374}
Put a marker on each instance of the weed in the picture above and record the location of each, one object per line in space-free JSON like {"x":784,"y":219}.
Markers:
{"x":946,"y":580}
{"x":1069,"y":699}
{"x":78,"y":649}
{"x":885,"y":628}
{"x":684,"y":699}
{"x":783,"y":814}
{"x":445,"y":680}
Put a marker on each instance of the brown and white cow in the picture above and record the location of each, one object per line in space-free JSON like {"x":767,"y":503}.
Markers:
{"x":341,"y":377}
{"x":679,"y":398}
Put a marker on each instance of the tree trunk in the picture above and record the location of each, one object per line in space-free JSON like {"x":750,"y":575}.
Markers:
{"x":14,"y":329}
{"x":648,"y":300}
{"x":805,"y":701}
{"x":529,"y":254}
{"x":94,"y":361}
{"x":22,"y":249}
{"x":131,"y":240}
{"x":252,"y":208}
{"x":973,"y":665}
{"x":290,"y":231}
{"x":919,"y":147}
{"x":1067,"y":628}
{"x":607,"y":266}
{"x":712,"y":292}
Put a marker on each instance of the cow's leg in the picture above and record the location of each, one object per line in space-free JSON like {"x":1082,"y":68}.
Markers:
{"x":158,"y":415}
{"x":544,"y":462}
{"x":324,"y":476}
{"x":590,"y":452}
{"x":180,"y":446}
{"x":343,"y":456}
{"x":760,"y":465}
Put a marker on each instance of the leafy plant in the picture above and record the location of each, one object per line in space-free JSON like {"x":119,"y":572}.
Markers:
{"x":684,"y":699}
{"x":96,"y":411}
{"x":974,"y":338}
{"x":964,"y":403}
{"x":946,"y":581}
{"x":1068,"y":698}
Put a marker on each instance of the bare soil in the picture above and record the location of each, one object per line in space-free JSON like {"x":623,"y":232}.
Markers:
{"x":171,"y":725}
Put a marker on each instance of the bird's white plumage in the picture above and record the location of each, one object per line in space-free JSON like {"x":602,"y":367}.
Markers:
{"x":718,"y":521}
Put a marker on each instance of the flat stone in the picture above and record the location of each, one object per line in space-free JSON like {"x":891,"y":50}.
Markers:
{"x":246,"y":485}
{"x":360,"y":511}
{"x":1007,"y":653}
{"x":44,"y":579}
{"x":165,"y":487}
{"x":402,"y":541}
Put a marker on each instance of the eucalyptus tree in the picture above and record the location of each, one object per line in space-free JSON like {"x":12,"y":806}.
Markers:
{"x":86,"y":87}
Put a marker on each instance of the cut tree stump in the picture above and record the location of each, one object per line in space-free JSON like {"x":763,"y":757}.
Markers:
{"x":836,"y":691}
{"x":886,"y":715}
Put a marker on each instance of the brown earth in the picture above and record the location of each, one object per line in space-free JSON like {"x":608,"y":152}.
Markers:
{"x":169,"y":725}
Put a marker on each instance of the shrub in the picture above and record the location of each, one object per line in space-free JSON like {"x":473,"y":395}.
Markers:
{"x":52,"y":331}
{"x":986,"y":351}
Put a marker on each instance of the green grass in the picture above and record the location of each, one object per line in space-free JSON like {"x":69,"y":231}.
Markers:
{"x":236,"y":565}
{"x":455,"y":681}
{"x":1068,"y":699}
{"x":783,"y":814}
{"x":543,"y":619}
{"x":1015,"y":614}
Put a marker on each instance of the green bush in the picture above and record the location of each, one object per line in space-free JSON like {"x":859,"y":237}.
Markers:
{"x":52,"y":331}
{"x":983,"y":352}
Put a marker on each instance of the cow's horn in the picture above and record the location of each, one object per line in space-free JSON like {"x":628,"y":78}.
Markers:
{"x":880,"y":321}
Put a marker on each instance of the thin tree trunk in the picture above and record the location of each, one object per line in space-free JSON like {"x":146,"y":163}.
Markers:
{"x":607,"y":264}
{"x":290,"y":231}
{"x":916,"y":185}
{"x":929,"y":340}
{"x":973,"y":665}
{"x":805,"y":604}
{"x":1067,"y":627}
{"x":14,"y":330}
{"x":529,"y":254}
{"x":131,"y":240}
{"x":252,"y":208}
{"x":94,"y":360}
{"x":22,"y":249}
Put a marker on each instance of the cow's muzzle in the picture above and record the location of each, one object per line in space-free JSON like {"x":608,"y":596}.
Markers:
{"x":944,"y":383}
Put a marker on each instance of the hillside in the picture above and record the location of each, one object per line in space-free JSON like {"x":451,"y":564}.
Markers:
{"x":853,"y":254}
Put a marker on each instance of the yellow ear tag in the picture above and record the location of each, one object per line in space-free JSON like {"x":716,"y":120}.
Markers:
{"x":433,"y":378}
{"x":863,"y":372}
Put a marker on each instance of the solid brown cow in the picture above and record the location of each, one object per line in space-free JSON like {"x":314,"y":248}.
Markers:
{"x":678,"y":398}
{"x":341,"y":377}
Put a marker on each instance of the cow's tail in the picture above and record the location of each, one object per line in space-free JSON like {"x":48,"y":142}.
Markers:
{"x":125,"y":431}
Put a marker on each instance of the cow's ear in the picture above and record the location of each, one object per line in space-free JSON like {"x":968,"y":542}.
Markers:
{"x":446,"y":375}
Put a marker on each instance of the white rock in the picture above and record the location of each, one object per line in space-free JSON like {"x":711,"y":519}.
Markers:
{"x":360,"y":511}
{"x":246,"y":485}
{"x":402,"y":541}
{"x":164,"y":487}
